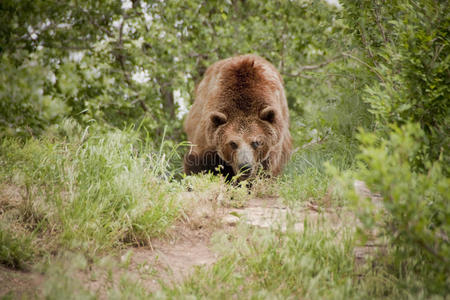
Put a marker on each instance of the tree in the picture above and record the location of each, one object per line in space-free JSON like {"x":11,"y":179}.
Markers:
{"x":122,"y":63}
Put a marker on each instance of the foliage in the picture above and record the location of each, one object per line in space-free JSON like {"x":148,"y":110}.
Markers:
{"x":406,"y":52}
{"x":417,"y":212}
{"x":138,"y":62}
{"x":313,"y":264}
{"x":407,"y":49}
{"x":62,"y":285}
{"x":92,"y":97}
{"x":24,"y":106}
{"x":26,"y":25}
{"x":306,"y":178}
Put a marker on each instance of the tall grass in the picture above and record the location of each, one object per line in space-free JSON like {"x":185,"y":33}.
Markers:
{"x":91,"y":191}
{"x":306,"y":178}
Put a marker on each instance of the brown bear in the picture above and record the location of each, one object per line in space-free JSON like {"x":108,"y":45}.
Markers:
{"x":239,"y":120}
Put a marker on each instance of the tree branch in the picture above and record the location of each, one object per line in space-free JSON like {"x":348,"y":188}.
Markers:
{"x":299,"y":75}
{"x":333,"y":59}
{"x":367,"y":65}
{"x":101,"y":28}
{"x":121,"y":59}
{"x":432,"y":251}
{"x":321,"y":65}
{"x":119,"y":55}
{"x":315,"y":67}
{"x":65,"y":46}
{"x":378,"y":21}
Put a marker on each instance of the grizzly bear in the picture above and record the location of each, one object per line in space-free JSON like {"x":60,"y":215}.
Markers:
{"x":239,"y":120}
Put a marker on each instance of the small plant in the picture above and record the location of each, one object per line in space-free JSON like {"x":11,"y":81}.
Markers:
{"x":16,"y":250}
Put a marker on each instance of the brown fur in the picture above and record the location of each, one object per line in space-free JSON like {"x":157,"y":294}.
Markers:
{"x":239,"y":117}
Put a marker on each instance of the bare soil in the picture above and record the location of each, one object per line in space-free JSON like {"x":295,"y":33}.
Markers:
{"x":169,"y":260}
{"x":21,"y":284}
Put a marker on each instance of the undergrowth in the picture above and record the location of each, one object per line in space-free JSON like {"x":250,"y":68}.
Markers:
{"x":94,"y":193}
{"x":90,"y":191}
{"x":306,"y":178}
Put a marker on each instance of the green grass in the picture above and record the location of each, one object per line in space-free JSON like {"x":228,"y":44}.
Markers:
{"x":306,"y":177}
{"x":314,"y":264}
{"x":16,"y":249}
{"x":93,"y":192}
{"x":317,"y":263}
{"x":69,"y":205}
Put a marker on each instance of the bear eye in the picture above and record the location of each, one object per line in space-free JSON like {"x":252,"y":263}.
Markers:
{"x":233,"y":145}
{"x":255,"y":144}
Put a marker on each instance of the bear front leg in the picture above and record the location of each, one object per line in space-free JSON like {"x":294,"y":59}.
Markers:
{"x":206,"y":161}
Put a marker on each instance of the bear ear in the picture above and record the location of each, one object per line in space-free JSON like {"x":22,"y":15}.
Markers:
{"x":268,"y":114}
{"x":218,"y":119}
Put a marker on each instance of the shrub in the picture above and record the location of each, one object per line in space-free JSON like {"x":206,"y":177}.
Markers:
{"x":416,"y":210}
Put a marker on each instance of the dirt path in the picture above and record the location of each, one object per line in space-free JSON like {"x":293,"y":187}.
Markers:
{"x":171,"y":259}
{"x":22,"y":284}
{"x":175,"y":258}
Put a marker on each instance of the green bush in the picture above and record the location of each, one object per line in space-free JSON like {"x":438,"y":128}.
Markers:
{"x":25,"y":109}
{"x":405,"y":49}
{"x":416,"y":210}
{"x":407,"y":52}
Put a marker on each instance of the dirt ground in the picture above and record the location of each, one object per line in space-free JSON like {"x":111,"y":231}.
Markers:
{"x":171,"y":259}
{"x":21,"y":284}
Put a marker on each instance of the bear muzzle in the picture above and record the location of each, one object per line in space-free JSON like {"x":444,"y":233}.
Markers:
{"x":245,"y":161}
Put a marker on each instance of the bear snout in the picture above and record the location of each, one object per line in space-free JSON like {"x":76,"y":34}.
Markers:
{"x":245,"y":161}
